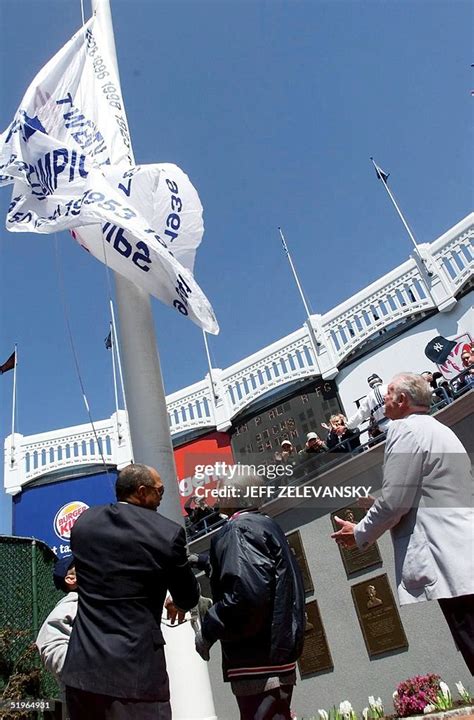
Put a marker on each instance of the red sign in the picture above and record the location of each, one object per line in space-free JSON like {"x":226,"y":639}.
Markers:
{"x":200,"y":462}
{"x":453,"y":365}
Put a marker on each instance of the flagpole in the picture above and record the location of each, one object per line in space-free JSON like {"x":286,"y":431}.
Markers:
{"x":298,"y":284}
{"x":144,"y":390}
{"x":190,"y":688}
{"x":381,"y":175}
{"x":432,"y":260}
{"x":12,"y":449}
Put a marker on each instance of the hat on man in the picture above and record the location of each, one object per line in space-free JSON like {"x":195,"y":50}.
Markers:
{"x":286,"y":442}
{"x":60,"y":570}
{"x":312,"y":436}
{"x":374,"y":380}
{"x":439,"y":349}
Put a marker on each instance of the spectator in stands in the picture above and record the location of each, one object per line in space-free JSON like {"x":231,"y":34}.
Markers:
{"x":441,"y":394}
{"x":465,"y":380}
{"x":313,"y":445}
{"x":286,"y":454}
{"x":467,"y":359}
{"x":372,"y":408}
{"x":340,"y":438}
{"x":432,"y":378}
{"x":197,"y":509}
{"x":201,"y":516}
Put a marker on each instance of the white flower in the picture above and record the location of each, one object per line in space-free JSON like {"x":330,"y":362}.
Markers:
{"x":365,"y":713}
{"x":464,"y":693}
{"x":428,"y":709}
{"x":371,"y":700}
{"x":446,"y":692}
{"x":323,"y":714}
{"x":345,"y":708}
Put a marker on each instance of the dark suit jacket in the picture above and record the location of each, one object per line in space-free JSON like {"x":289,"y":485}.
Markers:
{"x":126,"y":559}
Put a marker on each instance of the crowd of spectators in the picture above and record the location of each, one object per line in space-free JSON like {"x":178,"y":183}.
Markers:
{"x":200,"y":516}
{"x":344,"y":435}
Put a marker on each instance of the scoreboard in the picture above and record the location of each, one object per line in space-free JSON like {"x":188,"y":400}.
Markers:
{"x":260,"y":434}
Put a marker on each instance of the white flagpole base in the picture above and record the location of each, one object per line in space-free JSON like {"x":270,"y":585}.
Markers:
{"x":190,"y":687}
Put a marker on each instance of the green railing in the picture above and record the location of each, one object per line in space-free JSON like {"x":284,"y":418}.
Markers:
{"x":27,"y":596}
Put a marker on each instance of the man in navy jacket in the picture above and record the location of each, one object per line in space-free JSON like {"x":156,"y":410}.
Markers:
{"x":126,"y":557}
{"x":258,"y":612}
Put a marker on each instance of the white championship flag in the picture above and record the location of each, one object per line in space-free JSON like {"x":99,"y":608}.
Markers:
{"x":67,"y":152}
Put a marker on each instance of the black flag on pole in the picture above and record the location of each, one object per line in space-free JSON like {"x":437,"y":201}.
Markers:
{"x":381,"y":175}
{"x":8,"y":364}
{"x":438,"y":349}
{"x":108,"y":341}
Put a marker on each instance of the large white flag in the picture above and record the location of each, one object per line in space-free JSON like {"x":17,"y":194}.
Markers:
{"x":67,"y":152}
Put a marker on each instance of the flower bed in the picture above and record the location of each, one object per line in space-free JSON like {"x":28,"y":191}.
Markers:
{"x":417,"y":697}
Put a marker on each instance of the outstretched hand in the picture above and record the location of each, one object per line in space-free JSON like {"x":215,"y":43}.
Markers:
{"x":345,"y":535}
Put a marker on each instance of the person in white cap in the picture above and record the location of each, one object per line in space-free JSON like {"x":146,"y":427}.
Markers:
{"x":313,"y":445}
{"x":286,"y":452}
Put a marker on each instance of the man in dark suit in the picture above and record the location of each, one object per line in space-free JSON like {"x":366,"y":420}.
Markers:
{"x":127,"y":557}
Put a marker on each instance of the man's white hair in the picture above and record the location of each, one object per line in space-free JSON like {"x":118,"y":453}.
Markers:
{"x":414,"y":386}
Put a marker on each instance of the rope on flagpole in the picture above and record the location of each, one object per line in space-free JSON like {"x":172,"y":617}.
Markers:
{"x":115,"y":343}
{"x":13,"y":448}
{"x":114,"y":372}
{"x":74,"y":353}
{"x":208,"y":355}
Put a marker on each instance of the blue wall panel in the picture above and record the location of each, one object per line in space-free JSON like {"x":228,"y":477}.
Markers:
{"x":47,"y":512}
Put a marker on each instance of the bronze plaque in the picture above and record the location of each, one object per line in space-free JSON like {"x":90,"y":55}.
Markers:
{"x":316,"y":655}
{"x":354,"y":559}
{"x":296,"y":547}
{"x":378,"y":616}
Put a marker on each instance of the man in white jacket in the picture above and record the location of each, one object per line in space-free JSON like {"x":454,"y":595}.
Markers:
{"x":53,"y":637}
{"x":426,"y":502}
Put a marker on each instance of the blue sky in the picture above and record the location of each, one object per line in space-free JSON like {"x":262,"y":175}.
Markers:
{"x":273,"y":108}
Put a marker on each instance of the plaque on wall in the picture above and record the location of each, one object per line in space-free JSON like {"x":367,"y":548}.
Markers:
{"x":296,"y":547}
{"x":354,"y":559}
{"x":378,"y":616}
{"x":316,"y":656}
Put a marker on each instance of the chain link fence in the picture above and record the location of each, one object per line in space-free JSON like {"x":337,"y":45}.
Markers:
{"x":27,"y":596}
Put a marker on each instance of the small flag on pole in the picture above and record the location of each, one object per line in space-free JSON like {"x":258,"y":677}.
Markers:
{"x":108,"y":341}
{"x":8,"y":364}
{"x":283,"y":241}
{"x":381,"y":175}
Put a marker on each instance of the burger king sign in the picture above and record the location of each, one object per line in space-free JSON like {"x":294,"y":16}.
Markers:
{"x":66,"y":517}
